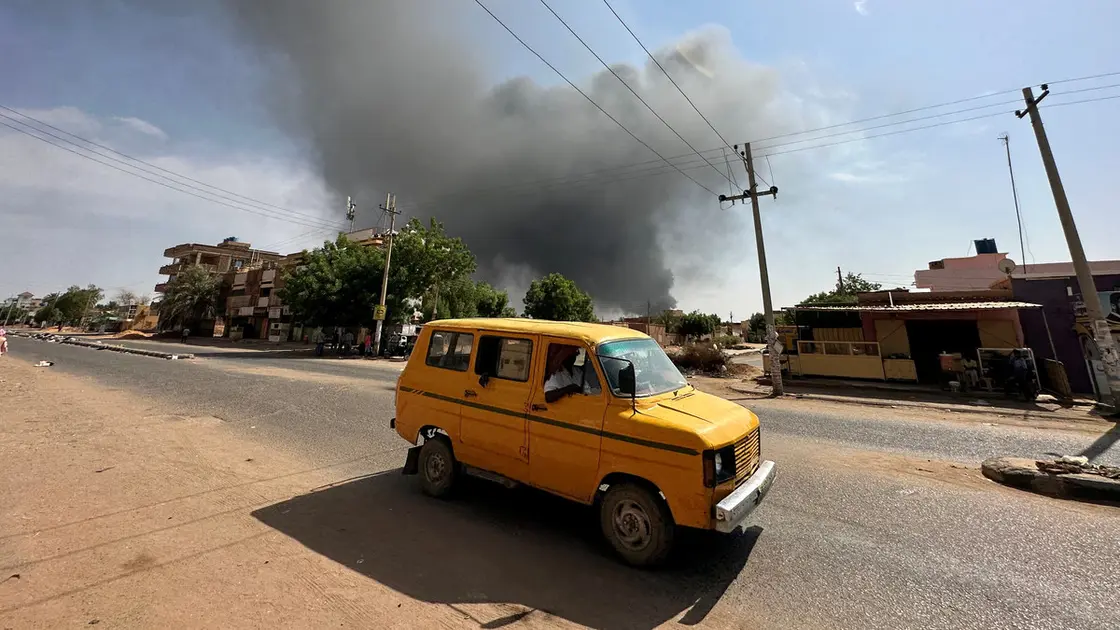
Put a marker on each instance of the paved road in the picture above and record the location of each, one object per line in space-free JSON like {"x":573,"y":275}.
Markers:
{"x":852,"y":536}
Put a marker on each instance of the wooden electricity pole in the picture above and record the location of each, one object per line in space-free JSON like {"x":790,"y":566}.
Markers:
{"x":767,"y":306}
{"x":379,"y":313}
{"x":1098,"y":325}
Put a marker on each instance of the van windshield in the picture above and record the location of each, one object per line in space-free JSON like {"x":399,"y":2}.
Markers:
{"x":654,"y":372}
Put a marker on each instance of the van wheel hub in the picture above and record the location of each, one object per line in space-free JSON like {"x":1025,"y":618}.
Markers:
{"x":631,"y":525}
{"x":435,"y":468}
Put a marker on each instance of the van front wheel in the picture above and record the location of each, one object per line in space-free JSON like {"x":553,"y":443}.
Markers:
{"x":637,"y":524}
{"x":437,"y":468}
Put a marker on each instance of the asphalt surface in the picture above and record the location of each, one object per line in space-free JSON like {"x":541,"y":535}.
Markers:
{"x":850,"y":536}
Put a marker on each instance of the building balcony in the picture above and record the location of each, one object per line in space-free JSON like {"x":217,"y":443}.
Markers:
{"x":238,"y":301}
{"x":161,"y":287}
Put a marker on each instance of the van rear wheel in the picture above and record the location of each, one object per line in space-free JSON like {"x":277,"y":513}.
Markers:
{"x":437,"y":468}
{"x":637,"y":524}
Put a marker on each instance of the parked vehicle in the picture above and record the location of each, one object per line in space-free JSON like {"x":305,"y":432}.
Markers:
{"x":596,"y":414}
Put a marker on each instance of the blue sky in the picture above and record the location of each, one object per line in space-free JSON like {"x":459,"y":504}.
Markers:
{"x":883,"y":206}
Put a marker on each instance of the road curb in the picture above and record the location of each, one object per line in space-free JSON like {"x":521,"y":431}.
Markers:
{"x":123,"y":349}
{"x":1024,"y":474}
{"x":874,"y":402}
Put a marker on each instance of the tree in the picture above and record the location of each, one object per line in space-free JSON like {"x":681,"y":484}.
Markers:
{"x":191,"y":297}
{"x":846,"y":293}
{"x":69,"y":307}
{"x":558,"y":298}
{"x":467,"y":298}
{"x":697,"y":324}
{"x":340,"y":283}
{"x":671,"y":320}
{"x":756,"y":327}
{"x":336,"y":284}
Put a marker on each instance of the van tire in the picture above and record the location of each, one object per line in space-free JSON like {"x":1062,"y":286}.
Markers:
{"x":438,"y":468}
{"x":637,"y":524}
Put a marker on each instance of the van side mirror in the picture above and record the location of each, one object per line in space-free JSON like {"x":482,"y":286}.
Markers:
{"x":626,"y":380}
{"x":484,"y":379}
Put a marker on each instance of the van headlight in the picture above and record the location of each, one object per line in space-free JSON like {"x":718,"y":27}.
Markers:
{"x":719,"y":466}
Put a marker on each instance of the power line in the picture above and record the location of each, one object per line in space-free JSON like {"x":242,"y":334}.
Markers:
{"x":154,"y":181}
{"x":589,"y":99}
{"x":632,"y":90}
{"x":138,"y":160}
{"x":667,"y":75}
{"x":1090,"y":77}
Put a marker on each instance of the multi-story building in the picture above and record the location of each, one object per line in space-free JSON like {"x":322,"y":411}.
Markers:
{"x":229,"y":255}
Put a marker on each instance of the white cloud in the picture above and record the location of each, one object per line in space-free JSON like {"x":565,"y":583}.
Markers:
{"x":861,"y":7}
{"x":69,"y":220}
{"x":141,"y":126}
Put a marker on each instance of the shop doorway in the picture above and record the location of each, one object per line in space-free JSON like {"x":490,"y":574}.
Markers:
{"x":929,"y":338}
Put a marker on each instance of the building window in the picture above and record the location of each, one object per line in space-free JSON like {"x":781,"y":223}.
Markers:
{"x":266,"y":292}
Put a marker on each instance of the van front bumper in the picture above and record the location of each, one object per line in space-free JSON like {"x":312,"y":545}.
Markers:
{"x":737,"y":506}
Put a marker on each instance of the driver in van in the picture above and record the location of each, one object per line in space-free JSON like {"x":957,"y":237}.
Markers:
{"x":564,"y":377}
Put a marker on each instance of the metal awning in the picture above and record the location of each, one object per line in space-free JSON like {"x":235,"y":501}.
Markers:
{"x":912,"y":308}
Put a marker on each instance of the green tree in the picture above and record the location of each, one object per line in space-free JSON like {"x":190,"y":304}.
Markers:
{"x":756,"y":327}
{"x":846,"y":293}
{"x":191,"y":297}
{"x":671,"y":320}
{"x":697,"y":324}
{"x":558,"y":298}
{"x":467,"y":298}
{"x":340,"y":283}
{"x":48,"y":313}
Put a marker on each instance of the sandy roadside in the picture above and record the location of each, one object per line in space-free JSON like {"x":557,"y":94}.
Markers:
{"x":114,"y":517}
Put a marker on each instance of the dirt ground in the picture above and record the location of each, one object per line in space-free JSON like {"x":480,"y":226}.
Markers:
{"x":757,"y":397}
{"x":114,"y":517}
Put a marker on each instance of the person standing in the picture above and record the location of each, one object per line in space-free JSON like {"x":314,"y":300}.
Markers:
{"x":319,"y":340}
{"x":347,"y":342}
{"x":3,"y":341}
{"x":369,"y":344}
{"x":186,"y":333}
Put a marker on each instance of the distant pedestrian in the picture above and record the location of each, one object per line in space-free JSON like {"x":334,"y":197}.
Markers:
{"x":369,"y":345}
{"x":320,"y":340}
{"x":186,"y":333}
{"x":337,"y":339}
{"x":347,"y":342}
{"x":3,"y":341}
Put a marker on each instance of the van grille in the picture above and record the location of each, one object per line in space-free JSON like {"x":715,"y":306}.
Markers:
{"x":746,"y":457}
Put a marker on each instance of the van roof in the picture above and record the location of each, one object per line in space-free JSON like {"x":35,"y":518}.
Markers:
{"x":592,"y":334}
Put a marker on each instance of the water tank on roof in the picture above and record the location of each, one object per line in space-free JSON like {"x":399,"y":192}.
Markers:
{"x":986,"y":246}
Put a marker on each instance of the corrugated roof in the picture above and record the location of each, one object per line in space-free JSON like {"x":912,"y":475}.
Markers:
{"x":908,"y":308}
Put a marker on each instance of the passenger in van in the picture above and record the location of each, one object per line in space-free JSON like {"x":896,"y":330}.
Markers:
{"x":565,"y":377}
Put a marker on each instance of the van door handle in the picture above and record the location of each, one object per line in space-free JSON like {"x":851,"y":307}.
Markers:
{"x":537,"y":407}
{"x":470,"y":393}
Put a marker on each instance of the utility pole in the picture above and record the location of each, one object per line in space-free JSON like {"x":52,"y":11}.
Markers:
{"x":351,"y":208}
{"x":10,"y":307}
{"x":379,"y":313}
{"x":839,"y":280}
{"x":1102,"y":336}
{"x":1015,"y":195}
{"x":768,"y":308}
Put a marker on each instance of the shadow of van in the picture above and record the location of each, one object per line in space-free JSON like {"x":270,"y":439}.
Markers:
{"x":493,"y":545}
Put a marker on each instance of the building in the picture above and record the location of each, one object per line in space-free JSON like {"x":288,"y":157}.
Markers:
{"x":1060,"y":329}
{"x":253,"y":308}
{"x":229,"y":255}
{"x":900,"y":335}
{"x":971,"y":273}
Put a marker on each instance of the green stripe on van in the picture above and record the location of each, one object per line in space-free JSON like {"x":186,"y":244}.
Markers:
{"x":672,"y":448}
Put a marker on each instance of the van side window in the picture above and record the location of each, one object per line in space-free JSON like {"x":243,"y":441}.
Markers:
{"x":450,"y":350}
{"x":567,"y":366}
{"x":504,"y":357}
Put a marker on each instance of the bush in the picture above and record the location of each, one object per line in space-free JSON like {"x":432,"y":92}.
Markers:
{"x":705,"y":358}
{"x":728,"y":341}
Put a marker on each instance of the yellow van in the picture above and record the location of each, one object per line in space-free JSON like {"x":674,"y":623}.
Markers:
{"x":594,"y":413}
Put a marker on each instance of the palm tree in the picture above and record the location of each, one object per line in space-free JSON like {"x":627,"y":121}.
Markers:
{"x":190,"y":297}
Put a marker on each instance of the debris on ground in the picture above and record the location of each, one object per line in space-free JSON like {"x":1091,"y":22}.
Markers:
{"x":44,"y":364}
{"x":1069,"y":465}
{"x":132,"y":334}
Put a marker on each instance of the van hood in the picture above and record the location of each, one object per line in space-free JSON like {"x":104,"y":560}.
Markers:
{"x":718,"y":421}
